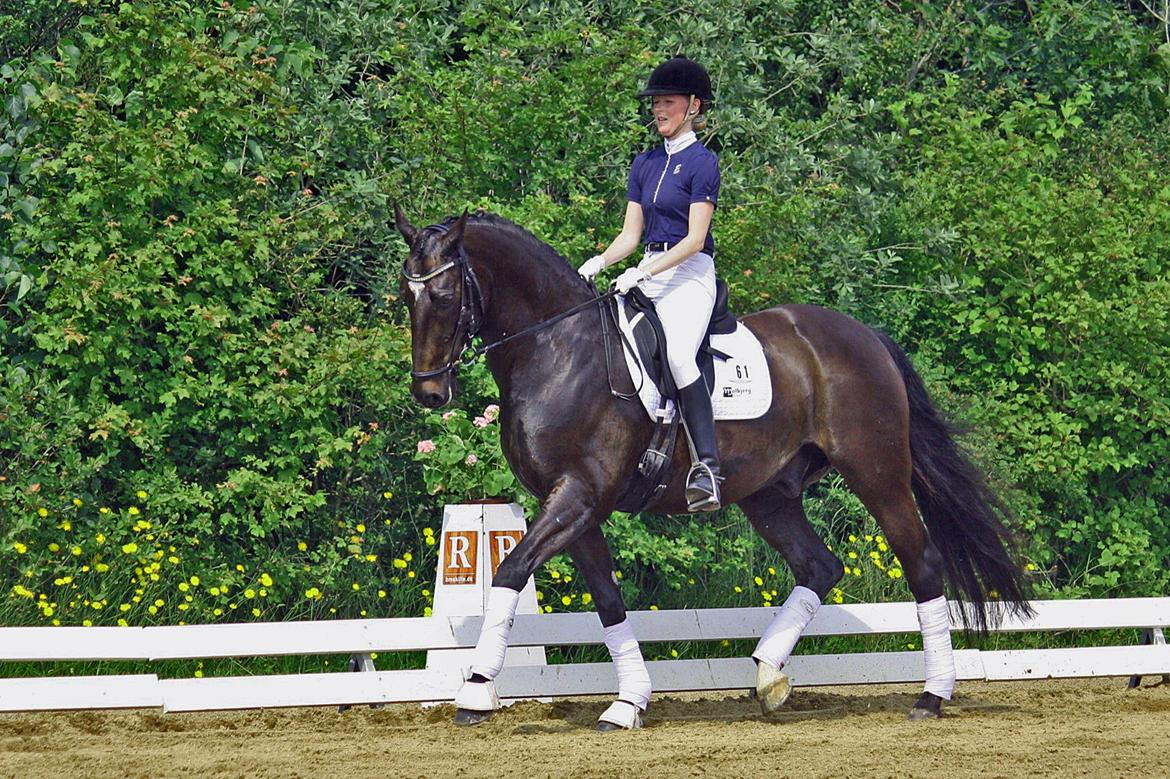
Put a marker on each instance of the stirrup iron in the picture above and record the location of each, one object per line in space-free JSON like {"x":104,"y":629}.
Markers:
{"x":699,"y":498}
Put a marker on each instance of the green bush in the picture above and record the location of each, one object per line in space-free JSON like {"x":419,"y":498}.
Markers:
{"x":198,"y":274}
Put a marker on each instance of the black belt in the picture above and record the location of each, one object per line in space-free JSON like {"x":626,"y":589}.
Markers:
{"x":657,"y":246}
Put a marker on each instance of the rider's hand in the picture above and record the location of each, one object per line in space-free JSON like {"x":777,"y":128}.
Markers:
{"x":630,"y":279}
{"x":591,"y":267}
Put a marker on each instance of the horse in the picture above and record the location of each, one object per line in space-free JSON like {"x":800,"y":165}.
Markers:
{"x":845,"y":397}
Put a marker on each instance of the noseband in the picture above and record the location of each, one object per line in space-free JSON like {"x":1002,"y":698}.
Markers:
{"x":470,"y":309}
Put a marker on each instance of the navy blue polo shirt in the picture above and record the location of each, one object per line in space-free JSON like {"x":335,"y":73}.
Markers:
{"x":666,"y":185}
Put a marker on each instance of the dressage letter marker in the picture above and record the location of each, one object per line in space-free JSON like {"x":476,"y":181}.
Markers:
{"x":460,"y":555}
{"x":501,"y":542}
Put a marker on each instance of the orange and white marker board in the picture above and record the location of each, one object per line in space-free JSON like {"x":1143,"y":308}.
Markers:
{"x":476,"y":538}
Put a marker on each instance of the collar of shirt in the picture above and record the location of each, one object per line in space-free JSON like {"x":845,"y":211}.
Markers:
{"x":680,"y":143}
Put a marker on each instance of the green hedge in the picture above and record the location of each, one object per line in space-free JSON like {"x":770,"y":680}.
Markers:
{"x":203,"y":387}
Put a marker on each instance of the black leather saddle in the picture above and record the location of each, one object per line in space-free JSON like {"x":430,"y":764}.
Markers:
{"x":650,"y":339}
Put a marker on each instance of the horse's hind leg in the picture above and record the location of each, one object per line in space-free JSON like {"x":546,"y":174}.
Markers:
{"x":779,"y":517}
{"x":592,"y":557}
{"x":888,"y":496}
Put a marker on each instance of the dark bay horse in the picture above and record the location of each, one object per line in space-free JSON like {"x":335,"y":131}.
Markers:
{"x":845,"y":397}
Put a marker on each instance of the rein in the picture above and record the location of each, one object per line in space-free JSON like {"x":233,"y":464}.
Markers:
{"x":471,"y":314}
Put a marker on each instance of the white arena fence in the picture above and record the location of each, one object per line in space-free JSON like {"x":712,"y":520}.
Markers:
{"x":361,"y":637}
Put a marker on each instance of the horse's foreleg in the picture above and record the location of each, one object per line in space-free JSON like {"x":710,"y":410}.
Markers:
{"x":780,"y":519}
{"x":592,"y":558}
{"x":565,"y":515}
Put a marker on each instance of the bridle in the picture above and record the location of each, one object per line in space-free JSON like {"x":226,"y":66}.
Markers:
{"x":470,"y":309}
{"x":471,"y":314}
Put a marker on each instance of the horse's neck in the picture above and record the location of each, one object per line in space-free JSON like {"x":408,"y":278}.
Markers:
{"x":521,"y":290}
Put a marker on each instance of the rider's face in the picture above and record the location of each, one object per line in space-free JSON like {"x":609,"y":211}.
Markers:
{"x":670,"y":114}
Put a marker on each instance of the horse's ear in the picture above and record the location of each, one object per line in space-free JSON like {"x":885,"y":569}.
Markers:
{"x":409,"y":232}
{"x":455,"y":234}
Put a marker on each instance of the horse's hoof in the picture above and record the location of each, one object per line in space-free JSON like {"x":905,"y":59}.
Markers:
{"x":620,"y":716}
{"x":917,"y":714}
{"x":772,"y":687}
{"x":468,"y":717}
{"x":929,"y":706}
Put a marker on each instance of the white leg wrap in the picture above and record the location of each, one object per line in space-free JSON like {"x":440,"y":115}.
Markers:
{"x":781,"y":636}
{"x":633,"y":678}
{"x":935,"y":621}
{"x":493,"y":638}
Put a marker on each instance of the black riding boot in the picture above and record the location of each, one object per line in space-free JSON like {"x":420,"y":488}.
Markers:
{"x":703,"y":480}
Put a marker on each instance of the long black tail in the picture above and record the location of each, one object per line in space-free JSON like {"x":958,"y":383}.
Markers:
{"x":966,"y":519}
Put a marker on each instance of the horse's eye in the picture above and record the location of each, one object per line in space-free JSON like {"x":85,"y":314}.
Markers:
{"x":442,"y":296}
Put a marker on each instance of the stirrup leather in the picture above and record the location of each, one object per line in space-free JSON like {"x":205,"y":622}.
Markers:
{"x":699,"y":498}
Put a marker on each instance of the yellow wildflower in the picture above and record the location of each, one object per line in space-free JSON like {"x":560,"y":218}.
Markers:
{"x":266,"y":580}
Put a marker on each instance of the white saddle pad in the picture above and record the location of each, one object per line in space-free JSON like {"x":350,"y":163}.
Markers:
{"x":743,"y":386}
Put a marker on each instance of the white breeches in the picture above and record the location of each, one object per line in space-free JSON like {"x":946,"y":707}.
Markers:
{"x":684,"y":297}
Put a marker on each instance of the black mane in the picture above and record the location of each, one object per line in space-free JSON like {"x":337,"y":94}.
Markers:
{"x":536,"y":248}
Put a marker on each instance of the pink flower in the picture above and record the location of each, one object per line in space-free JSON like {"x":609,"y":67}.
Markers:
{"x":448,"y":414}
{"x":472,"y":459}
{"x":426,"y":447}
{"x":481,"y":422}
{"x":491,"y":413}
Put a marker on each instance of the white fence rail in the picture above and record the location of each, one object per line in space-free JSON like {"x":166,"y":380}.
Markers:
{"x":385,"y":635}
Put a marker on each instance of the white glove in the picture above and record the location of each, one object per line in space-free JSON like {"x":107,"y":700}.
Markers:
{"x":591,"y":267}
{"x":630,"y":278}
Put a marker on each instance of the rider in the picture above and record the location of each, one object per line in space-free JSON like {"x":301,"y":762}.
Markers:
{"x":672,"y":190}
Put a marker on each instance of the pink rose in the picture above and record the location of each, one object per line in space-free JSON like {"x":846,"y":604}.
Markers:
{"x":472,"y":459}
{"x":481,"y":422}
{"x":426,"y":447}
{"x":491,"y":413}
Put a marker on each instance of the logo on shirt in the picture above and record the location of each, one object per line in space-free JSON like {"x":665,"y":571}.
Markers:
{"x":677,"y":168}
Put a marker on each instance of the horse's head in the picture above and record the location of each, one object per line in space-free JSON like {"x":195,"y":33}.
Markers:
{"x":445,"y":304}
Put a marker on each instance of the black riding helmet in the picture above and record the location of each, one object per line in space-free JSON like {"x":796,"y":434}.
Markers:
{"x":680,"y":76}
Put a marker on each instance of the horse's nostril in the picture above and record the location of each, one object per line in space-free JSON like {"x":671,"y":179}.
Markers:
{"x":431,"y":398}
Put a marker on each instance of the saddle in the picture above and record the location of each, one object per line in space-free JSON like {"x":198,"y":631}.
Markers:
{"x":650,"y":339}
{"x":649,"y":342}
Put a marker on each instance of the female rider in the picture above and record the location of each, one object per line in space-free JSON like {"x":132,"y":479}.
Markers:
{"x":673,"y":190}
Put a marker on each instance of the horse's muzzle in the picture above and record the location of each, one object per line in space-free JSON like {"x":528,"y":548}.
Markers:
{"x":433,"y":393}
